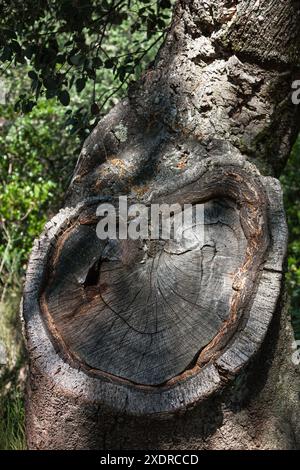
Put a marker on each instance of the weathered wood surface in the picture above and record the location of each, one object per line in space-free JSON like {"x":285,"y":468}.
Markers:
{"x":197,"y":127}
{"x":87,"y":332}
{"x":144,"y":319}
{"x":157,"y":318}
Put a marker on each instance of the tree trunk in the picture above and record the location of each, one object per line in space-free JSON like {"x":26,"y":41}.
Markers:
{"x":159,"y":345}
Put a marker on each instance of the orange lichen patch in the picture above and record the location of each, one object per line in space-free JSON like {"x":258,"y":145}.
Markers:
{"x":182,"y":162}
{"x":102,"y":174}
{"x":114,"y":170}
{"x":111,"y":157}
{"x":103,"y":170}
{"x":140,"y":190}
{"x":121,"y":165}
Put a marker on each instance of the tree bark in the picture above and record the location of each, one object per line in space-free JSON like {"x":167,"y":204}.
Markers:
{"x":212,"y":122}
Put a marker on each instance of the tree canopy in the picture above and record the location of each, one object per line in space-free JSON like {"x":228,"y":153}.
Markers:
{"x":69,"y":44}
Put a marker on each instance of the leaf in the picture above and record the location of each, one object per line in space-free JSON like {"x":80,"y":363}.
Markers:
{"x":95,"y":109}
{"x":91,"y":74}
{"x":29,"y":51}
{"x":121,"y":72}
{"x":50,"y":93}
{"x":50,"y":83}
{"x":6,"y":54}
{"x":64,"y":97}
{"x":27,"y":106}
{"x":60,"y":58}
{"x":77,"y":59}
{"x":80,"y":84}
{"x":9,"y":33}
{"x":33,"y":75}
{"x":97,"y":62}
{"x":165,"y":4}
{"x":16,"y":47}
{"x":17,"y":105}
{"x":109,"y":63}
{"x":38,"y":89}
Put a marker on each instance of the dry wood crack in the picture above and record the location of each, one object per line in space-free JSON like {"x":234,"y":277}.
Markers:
{"x":152,"y":322}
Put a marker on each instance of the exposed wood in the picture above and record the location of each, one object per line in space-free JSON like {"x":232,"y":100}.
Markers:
{"x":157,"y":319}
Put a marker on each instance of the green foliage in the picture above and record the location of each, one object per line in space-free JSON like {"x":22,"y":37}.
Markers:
{"x":37,"y":159}
{"x":70,"y":45}
{"x":12,"y":434}
{"x":12,"y":376}
{"x":291,"y":185}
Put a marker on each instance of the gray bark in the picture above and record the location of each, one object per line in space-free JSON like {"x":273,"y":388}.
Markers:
{"x":128,"y":355}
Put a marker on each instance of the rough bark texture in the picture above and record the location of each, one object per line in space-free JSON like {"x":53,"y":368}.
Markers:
{"x":214,"y":110}
{"x":259,"y":411}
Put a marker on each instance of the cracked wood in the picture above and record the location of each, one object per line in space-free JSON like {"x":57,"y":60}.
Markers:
{"x":154,"y":320}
